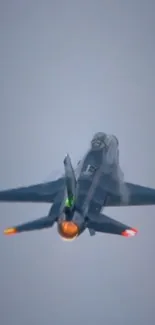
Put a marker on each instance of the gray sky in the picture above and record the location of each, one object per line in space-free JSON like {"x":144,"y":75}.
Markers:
{"x":68,"y":69}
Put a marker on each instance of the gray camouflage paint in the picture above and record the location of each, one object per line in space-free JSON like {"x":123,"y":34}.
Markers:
{"x":69,"y":69}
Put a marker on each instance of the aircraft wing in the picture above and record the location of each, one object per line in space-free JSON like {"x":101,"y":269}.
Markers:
{"x":138,"y":195}
{"x":102,"y":223}
{"x":43,"y":192}
{"x":38,"y":224}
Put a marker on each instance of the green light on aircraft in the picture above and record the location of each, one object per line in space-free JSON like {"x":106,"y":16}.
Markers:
{"x":69,"y":202}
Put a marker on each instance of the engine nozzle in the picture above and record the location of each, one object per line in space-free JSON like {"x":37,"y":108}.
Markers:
{"x":68,"y":230}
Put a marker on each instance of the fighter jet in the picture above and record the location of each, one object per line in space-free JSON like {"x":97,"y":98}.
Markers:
{"x":79,"y":196}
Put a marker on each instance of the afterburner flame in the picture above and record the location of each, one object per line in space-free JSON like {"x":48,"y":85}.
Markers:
{"x":68,"y":230}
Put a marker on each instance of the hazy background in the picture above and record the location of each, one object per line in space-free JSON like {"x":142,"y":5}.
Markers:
{"x":67,"y":70}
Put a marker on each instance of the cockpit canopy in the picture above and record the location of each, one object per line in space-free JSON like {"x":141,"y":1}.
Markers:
{"x":101,"y":139}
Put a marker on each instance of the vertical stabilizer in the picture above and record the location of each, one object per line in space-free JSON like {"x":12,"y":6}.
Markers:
{"x":70,"y":181}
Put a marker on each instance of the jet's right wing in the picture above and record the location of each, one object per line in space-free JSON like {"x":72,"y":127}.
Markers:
{"x":43,"y":192}
{"x":102,"y":223}
{"x":138,"y":195}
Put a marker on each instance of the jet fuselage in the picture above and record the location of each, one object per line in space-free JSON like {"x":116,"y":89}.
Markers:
{"x":88,"y":195}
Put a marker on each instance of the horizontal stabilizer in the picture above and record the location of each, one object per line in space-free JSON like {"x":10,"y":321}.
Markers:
{"x":38,"y":224}
{"x":102,"y":223}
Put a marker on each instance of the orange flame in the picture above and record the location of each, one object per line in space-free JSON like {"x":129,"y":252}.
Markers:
{"x":10,"y":231}
{"x":68,"y":230}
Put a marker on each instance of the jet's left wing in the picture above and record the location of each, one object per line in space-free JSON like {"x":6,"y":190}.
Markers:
{"x":43,"y":192}
{"x":137,"y":195}
{"x":105,"y":224}
{"x":38,"y":224}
